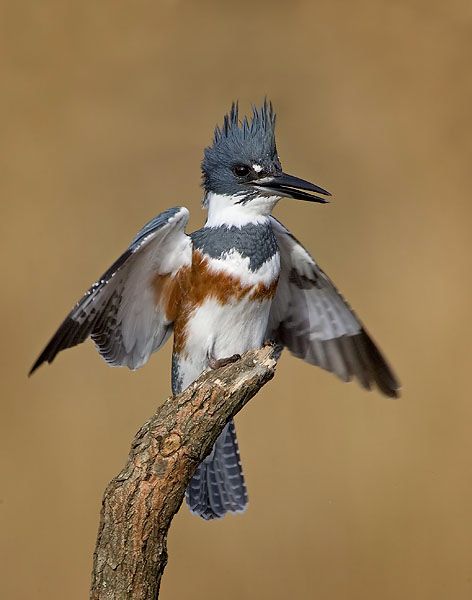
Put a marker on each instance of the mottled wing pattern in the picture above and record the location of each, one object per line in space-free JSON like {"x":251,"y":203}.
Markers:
{"x":311,"y":318}
{"x":122,"y":312}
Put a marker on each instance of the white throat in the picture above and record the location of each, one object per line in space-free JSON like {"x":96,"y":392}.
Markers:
{"x":227,"y":210}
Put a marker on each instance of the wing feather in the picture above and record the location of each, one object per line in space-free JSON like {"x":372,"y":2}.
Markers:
{"x":311,"y":318}
{"x":121,"y":312}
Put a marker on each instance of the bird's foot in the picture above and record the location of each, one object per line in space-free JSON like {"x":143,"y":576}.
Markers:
{"x":276,"y":345}
{"x":217,"y":363}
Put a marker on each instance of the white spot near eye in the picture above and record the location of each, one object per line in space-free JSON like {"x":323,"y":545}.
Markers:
{"x":257,"y":168}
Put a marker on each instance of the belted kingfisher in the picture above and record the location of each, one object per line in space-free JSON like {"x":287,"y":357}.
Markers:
{"x":239,"y":281}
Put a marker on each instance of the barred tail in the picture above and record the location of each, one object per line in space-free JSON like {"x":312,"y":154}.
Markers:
{"x":218,"y":487}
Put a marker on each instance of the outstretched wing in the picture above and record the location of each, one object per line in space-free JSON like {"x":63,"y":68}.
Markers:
{"x":311,"y":318}
{"x":127,"y":312}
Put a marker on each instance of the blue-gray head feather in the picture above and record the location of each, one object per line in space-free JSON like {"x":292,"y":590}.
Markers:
{"x":245,"y":142}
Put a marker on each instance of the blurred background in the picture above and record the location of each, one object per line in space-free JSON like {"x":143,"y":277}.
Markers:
{"x":106,"y":108}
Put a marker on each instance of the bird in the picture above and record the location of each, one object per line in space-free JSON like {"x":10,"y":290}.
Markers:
{"x":240,"y":281}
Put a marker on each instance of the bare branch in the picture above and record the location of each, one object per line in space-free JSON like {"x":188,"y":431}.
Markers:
{"x":138,"y":504}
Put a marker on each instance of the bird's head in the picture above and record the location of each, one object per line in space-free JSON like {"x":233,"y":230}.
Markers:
{"x":242,"y":167}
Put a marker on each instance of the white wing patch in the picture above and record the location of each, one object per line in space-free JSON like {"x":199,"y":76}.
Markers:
{"x":311,"y":318}
{"x":122,"y":312}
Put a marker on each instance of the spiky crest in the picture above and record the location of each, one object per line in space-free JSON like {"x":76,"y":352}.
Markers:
{"x":245,"y":142}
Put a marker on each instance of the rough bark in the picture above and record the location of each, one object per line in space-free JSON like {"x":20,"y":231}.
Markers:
{"x":139,"y":504}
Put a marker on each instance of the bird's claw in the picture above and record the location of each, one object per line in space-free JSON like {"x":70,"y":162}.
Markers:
{"x":217,"y":363}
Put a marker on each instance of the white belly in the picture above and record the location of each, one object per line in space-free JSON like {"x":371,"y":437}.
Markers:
{"x":217,"y":330}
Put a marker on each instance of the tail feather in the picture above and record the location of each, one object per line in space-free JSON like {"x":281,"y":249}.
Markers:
{"x":217,"y":486}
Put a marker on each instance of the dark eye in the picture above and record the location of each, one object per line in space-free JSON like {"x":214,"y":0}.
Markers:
{"x":241,"y":170}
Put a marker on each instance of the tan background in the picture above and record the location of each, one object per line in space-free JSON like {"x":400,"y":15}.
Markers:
{"x":106,"y":108}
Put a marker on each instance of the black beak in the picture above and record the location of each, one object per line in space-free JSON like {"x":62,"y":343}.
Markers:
{"x":289,"y":186}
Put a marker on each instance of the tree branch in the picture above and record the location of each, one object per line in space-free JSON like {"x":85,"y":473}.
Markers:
{"x":139,"y":504}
